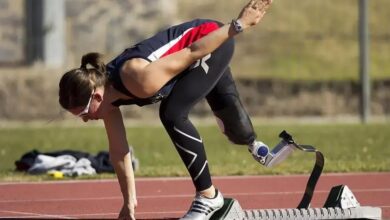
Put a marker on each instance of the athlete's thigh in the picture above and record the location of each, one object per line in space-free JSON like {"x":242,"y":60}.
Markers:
{"x":222,"y":93}
{"x":196,"y":82}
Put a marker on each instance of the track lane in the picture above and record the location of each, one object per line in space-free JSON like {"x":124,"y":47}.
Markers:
{"x":171,"y":197}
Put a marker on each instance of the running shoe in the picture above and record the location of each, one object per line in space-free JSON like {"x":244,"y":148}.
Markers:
{"x":203,"y":208}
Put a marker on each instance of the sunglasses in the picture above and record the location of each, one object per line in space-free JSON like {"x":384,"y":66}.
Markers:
{"x":86,"y":109}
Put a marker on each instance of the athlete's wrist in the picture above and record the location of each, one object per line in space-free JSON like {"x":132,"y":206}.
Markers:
{"x":237,"y":26}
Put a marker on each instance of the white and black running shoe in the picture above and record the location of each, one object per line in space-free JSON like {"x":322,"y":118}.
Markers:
{"x":203,"y":208}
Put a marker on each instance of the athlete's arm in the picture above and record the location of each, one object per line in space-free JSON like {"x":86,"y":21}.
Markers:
{"x":121,"y":160}
{"x":145,"y":79}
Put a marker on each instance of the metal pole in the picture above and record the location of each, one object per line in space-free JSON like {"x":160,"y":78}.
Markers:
{"x":54,"y":32}
{"x":364,"y":61}
{"x":34,"y":30}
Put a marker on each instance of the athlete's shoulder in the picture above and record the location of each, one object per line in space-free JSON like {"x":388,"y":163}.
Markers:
{"x":196,"y":22}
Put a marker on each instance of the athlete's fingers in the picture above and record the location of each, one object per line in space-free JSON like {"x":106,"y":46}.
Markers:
{"x":251,"y":3}
{"x":259,"y":5}
{"x":264,"y":5}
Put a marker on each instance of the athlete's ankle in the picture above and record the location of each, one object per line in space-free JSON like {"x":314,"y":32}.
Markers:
{"x":209,"y":193}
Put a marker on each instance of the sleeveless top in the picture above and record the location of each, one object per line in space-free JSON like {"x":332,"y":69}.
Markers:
{"x":162,"y":44}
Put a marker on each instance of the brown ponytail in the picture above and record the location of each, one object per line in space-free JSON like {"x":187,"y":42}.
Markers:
{"x":76,"y":85}
{"x":95,"y":60}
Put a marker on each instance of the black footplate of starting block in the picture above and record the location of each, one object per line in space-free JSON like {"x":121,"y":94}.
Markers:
{"x":231,"y":209}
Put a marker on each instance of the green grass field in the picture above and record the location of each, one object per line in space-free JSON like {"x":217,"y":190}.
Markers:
{"x":305,"y":40}
{"x":347,"y":148}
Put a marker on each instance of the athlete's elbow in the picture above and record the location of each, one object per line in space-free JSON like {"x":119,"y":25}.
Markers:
{"x":150,"y":87}
{"x":197,"y":51}
{"x":144,"y":88}
{"x":147,"y":90}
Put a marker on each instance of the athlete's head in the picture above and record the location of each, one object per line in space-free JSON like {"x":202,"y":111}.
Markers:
{"x":81,"y":90}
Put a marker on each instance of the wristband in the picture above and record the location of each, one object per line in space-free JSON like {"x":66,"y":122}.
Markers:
{"x":237,"y":26}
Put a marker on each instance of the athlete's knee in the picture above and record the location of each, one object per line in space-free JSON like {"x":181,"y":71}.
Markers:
{"x":166,"y":118}
{"x":235,"y":122}
{"x":171,"y":117}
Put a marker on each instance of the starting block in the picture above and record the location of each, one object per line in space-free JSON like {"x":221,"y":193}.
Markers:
{"x":340,"y":204}
{"x":232,"y":210}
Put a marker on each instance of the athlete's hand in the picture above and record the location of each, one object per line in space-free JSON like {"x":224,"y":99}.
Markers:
{"x":128,"y":211}
{"x":253,"y":12}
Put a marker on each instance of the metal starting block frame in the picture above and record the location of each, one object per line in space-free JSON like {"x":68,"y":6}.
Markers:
{"x":340,"y":204}
{"x":232,"y":211}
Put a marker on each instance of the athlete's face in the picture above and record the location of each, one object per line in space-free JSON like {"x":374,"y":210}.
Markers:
{"x":91,"y":111}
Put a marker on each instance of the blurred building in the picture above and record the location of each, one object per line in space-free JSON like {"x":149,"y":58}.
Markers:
{"x":12,"y":33}
{"x":55,"y":32}
{"x":301,"y":61}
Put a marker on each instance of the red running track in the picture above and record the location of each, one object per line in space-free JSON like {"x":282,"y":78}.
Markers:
{"x":170,"y":197}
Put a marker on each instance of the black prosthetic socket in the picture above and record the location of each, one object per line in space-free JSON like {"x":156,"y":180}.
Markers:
{"x":235,"y":124}
{"x":231,"y":115}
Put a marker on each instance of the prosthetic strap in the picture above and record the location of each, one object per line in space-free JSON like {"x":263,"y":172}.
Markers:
{"x":315,"y":173}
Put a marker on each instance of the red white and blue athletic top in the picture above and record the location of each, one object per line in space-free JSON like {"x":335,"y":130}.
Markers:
{"x":162,"y":44}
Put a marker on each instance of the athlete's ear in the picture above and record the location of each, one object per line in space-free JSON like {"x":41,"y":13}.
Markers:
{"x":98,"y":96}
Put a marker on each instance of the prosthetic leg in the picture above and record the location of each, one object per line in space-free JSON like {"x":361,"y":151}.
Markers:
{"x":340,"y":204}
{"x":236,"y":125}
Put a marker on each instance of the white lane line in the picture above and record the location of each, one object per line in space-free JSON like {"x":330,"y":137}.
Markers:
{"x":137,"y":213}
{"x":50,"y":182}
{"x":61,"y":200}
{"x":151,"y":179}
{"x":184,"y":196}
{"x":34,"y":214}
{"x":94,"y":214}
